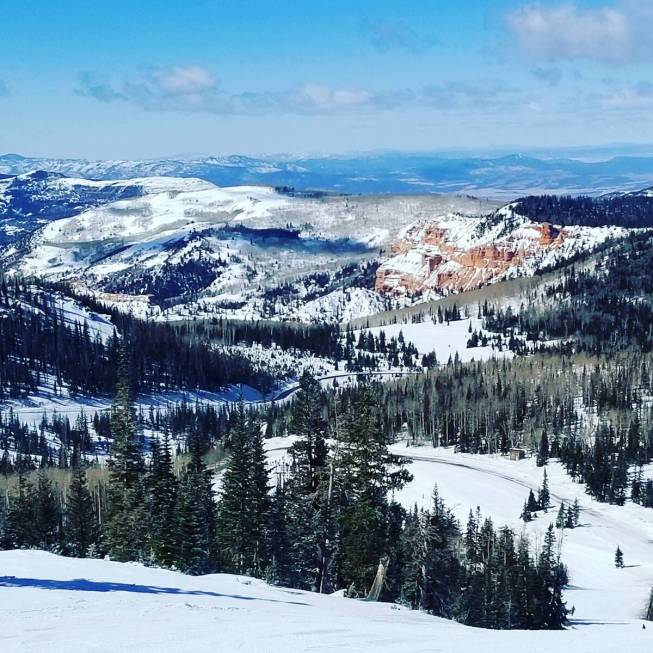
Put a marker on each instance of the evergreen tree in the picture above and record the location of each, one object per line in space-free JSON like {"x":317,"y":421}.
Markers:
{"x":367,"y":472}
{"x":244,"y":501}
{"x":618,"y":558}
{"x":47,"y":514}
{"x":80,"y":521}
{"x":126,"y":524}
{"x":195,"y":517}
{"x":279,"y":571}
{"x":20,"y":521}
{"x":543,"y":452}
{"x":307,"y":422}
{"x":544,"y":496}
{"x":162,"y":499}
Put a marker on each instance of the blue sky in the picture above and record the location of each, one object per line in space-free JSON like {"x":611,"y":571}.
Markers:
{"x":151,"y":78}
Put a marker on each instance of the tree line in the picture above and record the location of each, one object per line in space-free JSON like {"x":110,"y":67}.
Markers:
{"x":325,"y":521}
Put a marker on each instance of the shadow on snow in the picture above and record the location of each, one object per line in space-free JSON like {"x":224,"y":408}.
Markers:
{"x":83,"y":585}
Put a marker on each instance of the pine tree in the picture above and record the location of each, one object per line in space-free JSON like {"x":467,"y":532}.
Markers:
{"x":307,"y":489}
{"x":20,"y":521}
{"x":162,"y":499}
{"x":544,"y":496}
{"x":195,"y":517}
{"x":80,"y":522}
{"x":618,"y":558}
{"x":543,"y":452}
{"x":552,"y":613}
{"x":309,"y":452}
{"x":437,"y":567}
{"x":126,"y":524}
{"x":47,"y":515}
{"x":367,"y":472}
{"x":561,"y":519}
{"x":244,"y":501}
{"x":279,"y":570}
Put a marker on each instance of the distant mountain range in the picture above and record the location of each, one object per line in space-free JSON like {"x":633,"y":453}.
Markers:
{"x":395,"y":173}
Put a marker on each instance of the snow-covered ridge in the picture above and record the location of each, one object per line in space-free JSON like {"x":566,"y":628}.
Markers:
{"x":178,"y":248}
{"x":456,"y":252}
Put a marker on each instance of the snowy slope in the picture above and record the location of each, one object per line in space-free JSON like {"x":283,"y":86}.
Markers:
{"x":600,"y":593}
{"x":446,"y":340}
{"x":186,"y":248}
{"x":31,"y":200}
{"x":456,"y":253}
{"x":53,"y":604}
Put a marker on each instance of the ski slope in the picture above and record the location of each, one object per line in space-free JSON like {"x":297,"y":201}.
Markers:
{"x":601,"y":594}
{"x":52,"y":604}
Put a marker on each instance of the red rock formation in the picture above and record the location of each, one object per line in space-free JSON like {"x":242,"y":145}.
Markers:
{"x":447,"y":266}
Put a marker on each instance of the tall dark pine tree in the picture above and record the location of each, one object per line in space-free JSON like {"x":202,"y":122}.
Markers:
{"x":126,"y":523}
{"x":307,"y":489}
{"x":307,"y":422}
{"x":244,"y":501}
{"x":47,"y":514}
{"x":80,"y":521}
{"x":195,"y":516}
{"x":20,"y":531}
{"x":618,"y":558}
{"x":162,"y":498}
{"x":279,"y":571}
{"x":366,"y":472}
{"x":552,"y":613}
{"x":543,"y":452}
{"x":434,"y":572}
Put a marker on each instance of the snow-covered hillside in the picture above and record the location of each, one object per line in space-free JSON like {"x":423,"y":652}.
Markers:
{"x":456,"y":253}
{"x":600,"y":593}
{"x":446,"y":340}
{"x":186,"y":248}
{"x":179,"y":248}
{"x":53,"y":604}
{"x":31,"y":200}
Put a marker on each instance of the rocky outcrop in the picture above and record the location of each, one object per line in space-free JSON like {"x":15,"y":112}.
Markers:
{"x":457,"y":253}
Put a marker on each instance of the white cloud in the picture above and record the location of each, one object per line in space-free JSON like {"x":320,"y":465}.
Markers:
{"x":568,"y":32}
{"x":183,"y":80}
{"x":193,"y":89}
{"x":315,"y":96}
{"x":196,"y":89}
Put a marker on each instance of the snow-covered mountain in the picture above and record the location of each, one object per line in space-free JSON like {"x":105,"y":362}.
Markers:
{"x":184,"y":247}
{"x":455,"y":253}
{"x":173,"y":248}
{"x":32,"y":199}
{"x":506,"y":176}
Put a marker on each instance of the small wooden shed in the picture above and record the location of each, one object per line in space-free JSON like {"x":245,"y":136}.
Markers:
{"x":517,"y":453}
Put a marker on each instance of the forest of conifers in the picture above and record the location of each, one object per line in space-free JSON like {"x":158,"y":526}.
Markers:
{"x":579,"y":390}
